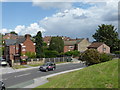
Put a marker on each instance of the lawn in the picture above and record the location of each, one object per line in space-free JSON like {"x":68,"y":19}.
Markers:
{"x":103,"y":75}
{"x":19,"y":66}
{"x":35,"y":65}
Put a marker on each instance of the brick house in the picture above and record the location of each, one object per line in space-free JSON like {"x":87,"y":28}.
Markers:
{"x":76,"y":44}
{"x":15,"y":47}
{"x":47,"y":39}
{"x":10,"y":36}
{"x":101,"y":47}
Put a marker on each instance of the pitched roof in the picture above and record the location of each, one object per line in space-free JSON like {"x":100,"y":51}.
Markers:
{"x":95,"y":45}
{"x":20,"y":40}
{"x":68,"y":43}
{"x":9,"y":42}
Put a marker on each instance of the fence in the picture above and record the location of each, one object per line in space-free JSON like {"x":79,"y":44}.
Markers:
{"x":44,"y":60}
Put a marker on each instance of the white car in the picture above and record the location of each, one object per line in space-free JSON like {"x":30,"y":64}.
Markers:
{"x":3,"y":62}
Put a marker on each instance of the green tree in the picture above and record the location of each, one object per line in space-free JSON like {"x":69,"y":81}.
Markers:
{"x":13,"y":32}
{"x":39,"y":45}
{"x":56,"y":44}
{"x":51,"y":54}
{"x":72,"y":53}
{"x":108,"y":35}
{"x":91,"y":56}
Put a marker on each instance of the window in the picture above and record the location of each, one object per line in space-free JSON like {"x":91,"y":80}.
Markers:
{"x":23,"y":46}
{"x":71,"y":47}
{"x":23,"y":49}
{"x":104,"y":49}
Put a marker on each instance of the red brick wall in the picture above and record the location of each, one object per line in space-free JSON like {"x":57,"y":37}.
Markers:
{"x":28,"y":46}
{"x":67,"y":48}
{"x":11,"y":51}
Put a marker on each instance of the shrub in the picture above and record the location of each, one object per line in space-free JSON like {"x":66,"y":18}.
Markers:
{"x":105,"y":57}
{"x":51,"y":54}
{"x":30,"y":54}
{"x":73,"y":53}
{"x":91,"y":56}
{"x":117,"y":52}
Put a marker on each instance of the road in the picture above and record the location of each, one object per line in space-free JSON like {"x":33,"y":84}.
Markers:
{"x":11,"y":79}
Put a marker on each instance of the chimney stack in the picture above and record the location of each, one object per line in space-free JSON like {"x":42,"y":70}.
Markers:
{"x":27,"y":36}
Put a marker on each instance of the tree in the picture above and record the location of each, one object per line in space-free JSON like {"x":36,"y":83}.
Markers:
{"x":108,"y":35}
{"x":51,"y":54}
{"x":72,"y":53}
{"x":39,"y":45}
{"x":56,"y":44}
{"x":13,"y":32}
{"x":91,"y":56}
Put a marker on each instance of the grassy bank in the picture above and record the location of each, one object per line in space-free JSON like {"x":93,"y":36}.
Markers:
{"x":103,"y":75}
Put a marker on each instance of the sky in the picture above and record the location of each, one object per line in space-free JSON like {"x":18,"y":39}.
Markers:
{"x":72,"y":19}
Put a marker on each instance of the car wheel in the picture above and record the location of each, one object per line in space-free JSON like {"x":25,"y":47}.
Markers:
{"x":46,"y":70}
{"x":3,"y":88}
{"x":53,"y":69}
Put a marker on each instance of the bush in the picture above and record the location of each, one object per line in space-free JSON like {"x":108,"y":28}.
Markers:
{"x":117,"y":52}
{"x":30,"y":54}
{"x":73,"y":53}
{"x":91,"y":56}
{"x":51,"y":54}
{"x":105,"y":57}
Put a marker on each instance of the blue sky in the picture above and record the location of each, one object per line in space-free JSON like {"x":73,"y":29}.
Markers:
{"x":22,"y":13}
{"x":72,"y":19}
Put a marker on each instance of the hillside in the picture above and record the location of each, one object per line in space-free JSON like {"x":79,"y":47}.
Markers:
{"x":103,"y":75}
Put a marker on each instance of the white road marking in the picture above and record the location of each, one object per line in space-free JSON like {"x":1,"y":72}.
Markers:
{"x":23,"y":75}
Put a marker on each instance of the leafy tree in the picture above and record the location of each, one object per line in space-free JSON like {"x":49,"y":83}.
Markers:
{"x":91,"y":56}
{"x":30,"y":54}
{"x":51,"y":54}
{"x":39,"y":45}
{"x":72,"y":53}
{"x":13,"y":32}
{"x":108,"y":35}
{"x":56,"y":44}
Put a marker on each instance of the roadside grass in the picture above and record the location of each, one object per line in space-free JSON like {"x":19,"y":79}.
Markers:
{"x":60,"y":62}
{"x":103,"y":75}
{"x":35,"y":65}
{"x":19,"y":66}
{"x":32,"y":65}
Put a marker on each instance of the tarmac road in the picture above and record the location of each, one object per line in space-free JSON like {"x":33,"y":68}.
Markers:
{"x":15,"y":78}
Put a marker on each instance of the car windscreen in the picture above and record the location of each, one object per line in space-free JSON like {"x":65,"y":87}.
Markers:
{"x":46,"y":64}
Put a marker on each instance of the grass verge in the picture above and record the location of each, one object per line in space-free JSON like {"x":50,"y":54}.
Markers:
{"x":35,"y":65}
{"x":103,"y":75}
{"x":19,"y":66}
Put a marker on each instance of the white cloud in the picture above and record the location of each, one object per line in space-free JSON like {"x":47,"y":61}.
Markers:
{"x":48,"y":5}
{"x":77,"y":22}
{"x":22,"y":30}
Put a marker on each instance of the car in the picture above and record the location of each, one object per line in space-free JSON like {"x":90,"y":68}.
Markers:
{"x":3,"y":62}
{"x":47,"y":66}
{"x":2,"y":85}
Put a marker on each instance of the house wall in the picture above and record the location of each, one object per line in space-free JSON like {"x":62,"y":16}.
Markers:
{"x":11,"y":52}
{"x":104,"y":49}
{"x":82,"y":46}
{"x":27,"y":46}
{"x":68,"y":48}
